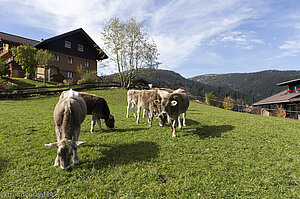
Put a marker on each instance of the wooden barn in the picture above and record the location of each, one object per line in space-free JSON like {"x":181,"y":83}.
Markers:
{"x":70,"y":50}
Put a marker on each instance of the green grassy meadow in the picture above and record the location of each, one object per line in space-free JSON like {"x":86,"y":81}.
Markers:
{"x":220,"y":154}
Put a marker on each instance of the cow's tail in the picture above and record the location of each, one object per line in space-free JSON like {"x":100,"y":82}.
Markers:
{"x":67,"y":123}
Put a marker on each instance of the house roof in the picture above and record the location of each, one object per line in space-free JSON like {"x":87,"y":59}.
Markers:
{"x":17,"y":39}
{"x":291,"y":82}
{"x":281,"y":97}
{"x":100,"y":56}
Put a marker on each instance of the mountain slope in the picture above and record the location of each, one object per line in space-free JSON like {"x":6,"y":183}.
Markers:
{"x":260,"y":84}
{"x":170,"y":79}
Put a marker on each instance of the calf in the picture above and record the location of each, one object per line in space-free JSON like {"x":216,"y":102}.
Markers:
{"x":69,"y":113}
{"x":148,"y":100}
{"x":173,"y":104}
{"x":97,"y":106}
{"x":132,"y":98}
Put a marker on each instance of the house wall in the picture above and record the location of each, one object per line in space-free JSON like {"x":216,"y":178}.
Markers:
{"x":4,"y":49}
{"x":56,"y":45}
{"x":63,"y":67}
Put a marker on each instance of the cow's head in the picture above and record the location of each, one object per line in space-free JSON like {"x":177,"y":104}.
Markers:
{"x":110,"y":122}
{"x":64,"y":151}
{"x":165,"y":101}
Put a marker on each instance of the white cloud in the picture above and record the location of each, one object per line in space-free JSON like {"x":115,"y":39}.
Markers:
{"x":240,"y":39}
{"x":178,"y":27}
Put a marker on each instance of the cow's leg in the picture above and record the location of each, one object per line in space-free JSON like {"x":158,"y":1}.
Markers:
{"x":150,"y":117}
{"x":174,"y":128}
{"x":56,"y":163}
{"x":138,"y":115}
{"x":133,"y":109}
{"x":183,"y":119}
{"x":144,"y":112}
{"x":169,"y":120}
{"x":75,"y":138}
{"x":99,"y":124}
{"x":93,"y":123}
{"x":58,"y":138}
{"x":128,"y":107}
{"x":179,"y":122}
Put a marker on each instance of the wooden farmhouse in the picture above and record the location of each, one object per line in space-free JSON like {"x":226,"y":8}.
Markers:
{"x":70,"y":50}
{"x":288,"y":99}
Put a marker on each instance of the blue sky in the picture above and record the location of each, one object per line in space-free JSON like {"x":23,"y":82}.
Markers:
{"x":194,"y":37}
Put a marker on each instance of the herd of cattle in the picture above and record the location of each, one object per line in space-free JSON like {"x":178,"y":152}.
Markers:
{"x":72,"y":108}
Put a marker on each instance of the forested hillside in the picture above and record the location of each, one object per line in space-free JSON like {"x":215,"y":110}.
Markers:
{"x":260,"y":84}
{"x":170,"y":79}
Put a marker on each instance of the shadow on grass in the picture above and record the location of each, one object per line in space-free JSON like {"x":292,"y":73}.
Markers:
{"x":190,"y":122}
{"x":193,"y":112}
{"x":117,"y":130}
{"x":212,"y":131}
{"x":3,"y":164}
{"x":125,"y":154}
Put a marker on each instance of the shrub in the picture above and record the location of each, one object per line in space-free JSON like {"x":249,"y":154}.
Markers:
{"x":228,"y":103}
{"x":11,"y":85}
{"x":280,"y":112}
{"x":210,"y":99}
{"x":87,"y":77}
{"x":68,"y":81}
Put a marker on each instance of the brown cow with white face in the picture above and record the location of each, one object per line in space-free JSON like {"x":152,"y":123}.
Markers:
{"x":69,"y":113}
{"x":173,"y":104}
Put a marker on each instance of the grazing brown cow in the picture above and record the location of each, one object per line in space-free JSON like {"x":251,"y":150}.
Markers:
{"x":69,"y":113}
{"x":173,"y":104}
{"x":97,"y":106}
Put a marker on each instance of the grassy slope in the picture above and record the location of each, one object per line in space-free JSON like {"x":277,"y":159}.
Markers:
{"x":219,"y":154}
{"x":27,"y":83}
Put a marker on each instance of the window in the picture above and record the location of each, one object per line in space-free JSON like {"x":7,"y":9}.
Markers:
{"x":68,"y":44}
{"x":87,"y":64}
{"x":80,"y":48}
{"x":70,"y":75}
{"x":56,"y":57}
{"x":70,"y":60}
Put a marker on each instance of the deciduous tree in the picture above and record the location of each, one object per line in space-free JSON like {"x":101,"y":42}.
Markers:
{"x":129,"y":48}
{"x":228,"y":103}
{"x":24,"y":55}
{"x":210,"y":99}
{"x":45,"y":59}
{"x":4,"y":70}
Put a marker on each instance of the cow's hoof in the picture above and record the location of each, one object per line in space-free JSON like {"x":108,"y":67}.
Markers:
{"x":76,"y":163}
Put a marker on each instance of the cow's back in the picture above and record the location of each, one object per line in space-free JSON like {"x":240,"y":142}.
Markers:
{"x":95,"y":104}
{"x":145,"y":98}
{"x":69,"y":111}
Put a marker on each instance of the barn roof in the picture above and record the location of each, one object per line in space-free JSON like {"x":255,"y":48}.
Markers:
{"x":17,"y":39}
{"x":282,"y":97}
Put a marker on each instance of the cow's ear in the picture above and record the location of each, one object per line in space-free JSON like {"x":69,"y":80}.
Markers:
{"x":173,"y":103}
{"x":52,"y":145}
{"x":77,"y":143}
